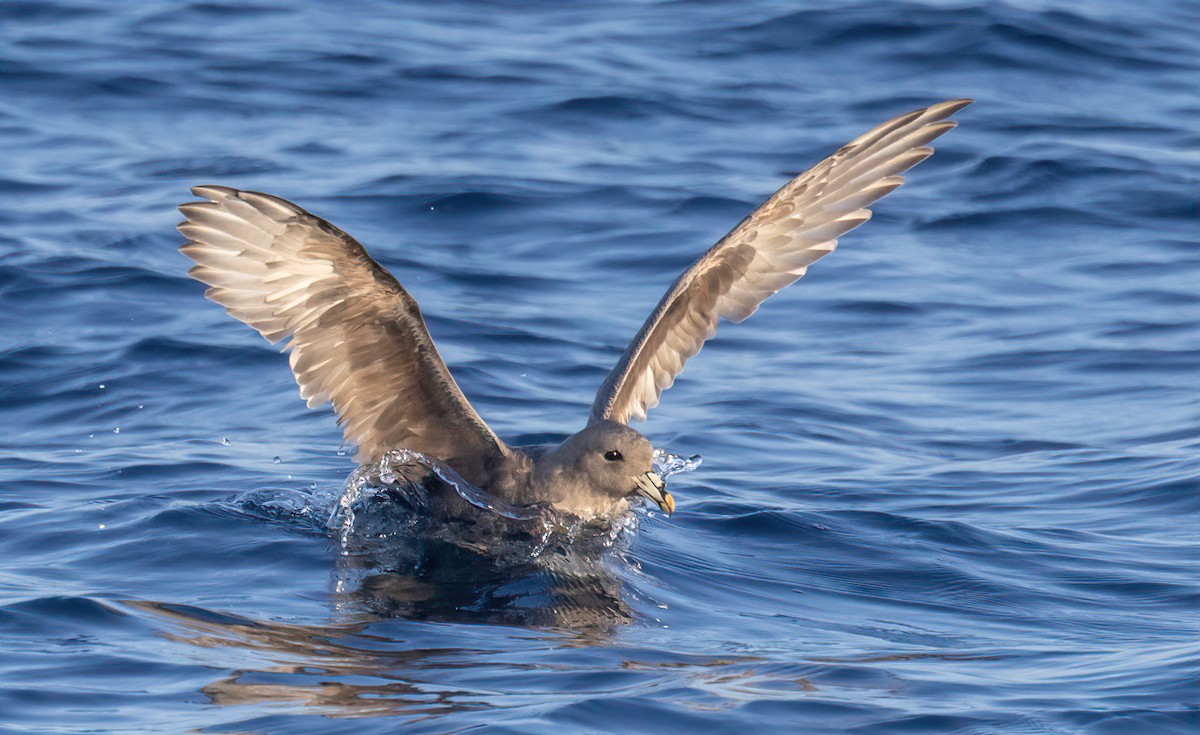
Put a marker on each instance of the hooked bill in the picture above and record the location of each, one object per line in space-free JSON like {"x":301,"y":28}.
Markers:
{"x":651,"y":486}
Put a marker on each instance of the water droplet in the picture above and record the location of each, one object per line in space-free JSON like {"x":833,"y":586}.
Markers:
{"x":276,"y":459}
{"x":226,"y":442}
{"x":667,"y":464}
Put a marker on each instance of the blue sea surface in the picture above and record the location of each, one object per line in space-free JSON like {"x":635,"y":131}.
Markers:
{"x":949,"y":480}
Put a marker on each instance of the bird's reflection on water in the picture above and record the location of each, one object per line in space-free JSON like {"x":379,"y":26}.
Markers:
{"x":341,"y":668}
{"x":544,"y":576}
{"x":371,"y":667}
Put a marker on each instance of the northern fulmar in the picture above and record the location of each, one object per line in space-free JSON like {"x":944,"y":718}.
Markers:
{"x":357,"y":338}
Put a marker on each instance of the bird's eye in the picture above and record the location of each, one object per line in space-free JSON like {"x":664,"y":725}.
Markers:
{"x":613,"y":455}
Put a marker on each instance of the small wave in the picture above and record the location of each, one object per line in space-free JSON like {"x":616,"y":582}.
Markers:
{"x":201,"y":167}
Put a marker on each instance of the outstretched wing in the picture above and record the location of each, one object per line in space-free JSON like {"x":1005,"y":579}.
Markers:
{"x":357,"y":338}
{"x":769,"y":250}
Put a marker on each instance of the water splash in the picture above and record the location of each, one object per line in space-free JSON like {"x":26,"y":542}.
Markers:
{"x":389,"y":497}
{"x":667,"y":464}
{"x":343,"y":513}
{"x":285,"y":505}
{"x":401,"y":473}
{"x":542,"y":540}
{"x":388,"y":500}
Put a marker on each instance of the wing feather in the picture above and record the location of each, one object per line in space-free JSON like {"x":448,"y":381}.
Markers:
{"x":766,"y":252}
{"x":357,"y":338}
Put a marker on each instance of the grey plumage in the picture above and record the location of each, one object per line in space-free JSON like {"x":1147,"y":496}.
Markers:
{"x":357,"y":338}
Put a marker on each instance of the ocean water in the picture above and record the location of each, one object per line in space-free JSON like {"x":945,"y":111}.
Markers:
{"x":949,"y":479}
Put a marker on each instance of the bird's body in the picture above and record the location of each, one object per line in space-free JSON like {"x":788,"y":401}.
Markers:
{"x":358,"y":340}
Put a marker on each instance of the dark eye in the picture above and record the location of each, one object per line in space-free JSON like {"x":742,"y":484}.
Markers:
{"x":613,"y":455}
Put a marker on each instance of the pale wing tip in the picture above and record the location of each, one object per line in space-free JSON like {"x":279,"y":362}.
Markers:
{"x":272,"y":206}
{"x":195,"y":212}
{"x":949,"y":107}
{"x":213,"y":192}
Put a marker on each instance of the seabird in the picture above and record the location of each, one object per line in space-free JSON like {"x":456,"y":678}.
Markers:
{"x":358,"y":341}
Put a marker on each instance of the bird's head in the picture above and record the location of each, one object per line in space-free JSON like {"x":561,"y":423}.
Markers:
{"x":609,"y":461}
